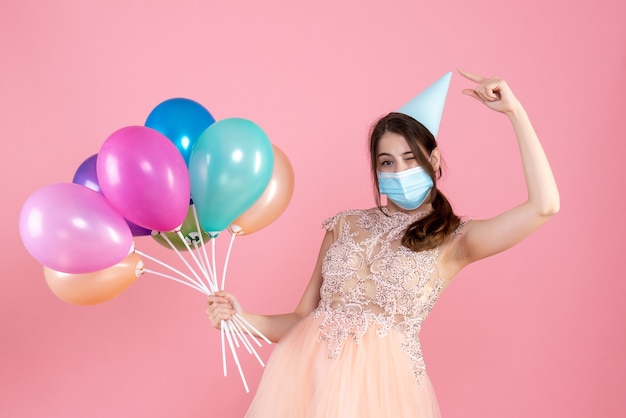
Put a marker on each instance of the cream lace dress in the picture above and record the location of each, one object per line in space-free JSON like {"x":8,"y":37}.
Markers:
{"x":358,"y":354}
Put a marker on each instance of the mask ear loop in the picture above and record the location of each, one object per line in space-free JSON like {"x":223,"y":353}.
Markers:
{"x":437,"y":172}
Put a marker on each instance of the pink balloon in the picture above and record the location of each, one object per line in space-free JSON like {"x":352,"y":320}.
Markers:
{"x":144,"y":176}
{"x":72,"y":229}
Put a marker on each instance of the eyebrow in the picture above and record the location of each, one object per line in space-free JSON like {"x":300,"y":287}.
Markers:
{"x":384,"y":154}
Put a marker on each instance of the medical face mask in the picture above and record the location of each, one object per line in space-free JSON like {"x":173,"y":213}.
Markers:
{"x":408,"y":189}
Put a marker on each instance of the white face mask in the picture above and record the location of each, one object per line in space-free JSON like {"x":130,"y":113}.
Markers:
{"x":408,"y":189}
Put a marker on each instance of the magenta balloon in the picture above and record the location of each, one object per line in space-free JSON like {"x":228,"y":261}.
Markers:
{"x":86,"y":175}
{"x":72,"y":229}
{"x":144,"y":176}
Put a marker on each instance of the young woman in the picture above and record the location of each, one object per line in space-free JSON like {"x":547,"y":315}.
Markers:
{"x":351,"y":348}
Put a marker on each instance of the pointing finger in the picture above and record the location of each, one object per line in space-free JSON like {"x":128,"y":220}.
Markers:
{"x":471,"y":76}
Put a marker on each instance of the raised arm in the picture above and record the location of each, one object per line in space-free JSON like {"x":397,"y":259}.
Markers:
{"x":223,"y":305}
{"x":483,"y":238}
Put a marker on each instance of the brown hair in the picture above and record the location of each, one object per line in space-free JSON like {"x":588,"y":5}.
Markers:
{"x":434,"y":229}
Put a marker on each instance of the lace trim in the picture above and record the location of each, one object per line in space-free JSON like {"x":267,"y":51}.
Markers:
{"x":370,"y":279}
{"x":352,"y":321}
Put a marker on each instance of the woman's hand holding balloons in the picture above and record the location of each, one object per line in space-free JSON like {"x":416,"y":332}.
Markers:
{"x":181,"y":178}
{"x":222,"y":307}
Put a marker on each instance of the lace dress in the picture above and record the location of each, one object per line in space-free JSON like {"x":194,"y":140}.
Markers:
{"x":358,"y":354}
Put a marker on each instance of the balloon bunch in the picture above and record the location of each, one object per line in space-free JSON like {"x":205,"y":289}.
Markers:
{"x":182,"y":178}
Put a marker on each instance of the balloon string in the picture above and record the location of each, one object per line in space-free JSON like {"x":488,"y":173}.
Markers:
{"x":203,"y":266}
{"x":234,"y":353}
{"x":180,"y":235}
{"x":249,"y":326}
{"x":240,"y":336}
{"x":246,"y":330}
{"x":223,"y":349}
{"x":180,"y":255}
{"x":157,"y":273}
{"x":199,"y":281}
{"x":213,"y":257}
{"x":232,"y":331}
{"x":180,"y":273}
{"x":196,"y":250}
{"x":230,"y":246}
{"x":206,"y":257}
{"x":212,"y":279}
{"x":244,"y":339}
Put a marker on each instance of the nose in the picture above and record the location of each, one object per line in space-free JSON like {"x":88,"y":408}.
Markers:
{"x":401,"y":165}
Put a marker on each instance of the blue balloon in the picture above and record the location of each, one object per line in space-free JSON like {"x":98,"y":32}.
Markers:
{"x":182,"y":121}
{"x":231,"y":164}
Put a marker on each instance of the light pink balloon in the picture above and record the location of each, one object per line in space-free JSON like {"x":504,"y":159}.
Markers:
{"x":144,"y":176}
{"x":70,"y":228}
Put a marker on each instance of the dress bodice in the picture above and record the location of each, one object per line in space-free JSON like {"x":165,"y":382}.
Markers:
{"x":371,"y":281}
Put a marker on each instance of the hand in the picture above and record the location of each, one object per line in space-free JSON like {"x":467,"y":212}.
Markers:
{"x":222,"y":307}
{"x":494,"y":92}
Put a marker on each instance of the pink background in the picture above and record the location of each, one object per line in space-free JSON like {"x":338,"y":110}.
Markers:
{"x":536,"y":331}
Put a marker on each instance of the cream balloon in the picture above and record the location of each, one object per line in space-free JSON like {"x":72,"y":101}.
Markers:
{"x":95,"y":287}
{"x":272,"y":202}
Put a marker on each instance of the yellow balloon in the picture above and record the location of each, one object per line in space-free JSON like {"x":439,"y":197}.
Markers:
{"x":95,"y":287}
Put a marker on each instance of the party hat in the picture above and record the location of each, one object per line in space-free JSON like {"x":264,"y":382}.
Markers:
{"x":427,"y":106}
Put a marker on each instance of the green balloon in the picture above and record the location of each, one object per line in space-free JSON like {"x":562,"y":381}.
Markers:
{"x":230,"y":166}
{"x":190,"y":233}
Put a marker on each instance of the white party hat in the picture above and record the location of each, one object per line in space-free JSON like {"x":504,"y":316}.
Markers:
{"x":427,"y":107}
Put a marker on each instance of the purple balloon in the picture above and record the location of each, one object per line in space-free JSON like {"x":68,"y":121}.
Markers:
{"x":144,"y":176}
{"x":72,"y":229}
{"x":138,"y":231}
{"x":87,"y":175}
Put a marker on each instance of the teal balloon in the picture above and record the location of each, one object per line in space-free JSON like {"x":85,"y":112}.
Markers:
{"x":182,"y":121}
{"x":230,"y":166}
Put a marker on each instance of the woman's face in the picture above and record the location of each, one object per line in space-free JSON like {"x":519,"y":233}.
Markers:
{"x":393,"y":154}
